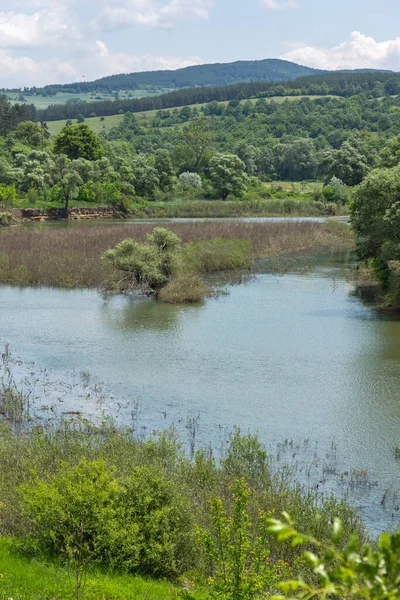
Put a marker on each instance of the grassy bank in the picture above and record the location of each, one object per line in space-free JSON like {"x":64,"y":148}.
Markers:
{"x":71,"y":257}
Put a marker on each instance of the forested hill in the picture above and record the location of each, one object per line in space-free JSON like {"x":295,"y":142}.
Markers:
{"x":374,"y":85}
{"x":198,"y":75}
{"x":214,"y":74}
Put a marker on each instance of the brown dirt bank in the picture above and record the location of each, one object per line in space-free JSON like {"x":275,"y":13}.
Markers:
{"x":71,"y":257}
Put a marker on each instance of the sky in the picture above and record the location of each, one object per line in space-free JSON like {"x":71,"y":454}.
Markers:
{"x":62,"y":41}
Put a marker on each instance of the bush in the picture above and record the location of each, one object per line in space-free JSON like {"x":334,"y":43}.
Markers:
{"x":158,"y":533}
{"x":8,"y":194}
{"x":148,"y":265}
{"x":73,"y":516}
{"x":341,"y":572}
{"x":239,"y":562}
{"x":6,"y":219}
{"x":85,"y":515}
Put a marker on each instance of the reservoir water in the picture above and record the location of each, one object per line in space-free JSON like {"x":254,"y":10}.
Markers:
{"x":297,"y":357}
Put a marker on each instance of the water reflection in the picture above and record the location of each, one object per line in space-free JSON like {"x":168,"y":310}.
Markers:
{"x":144,"y":314}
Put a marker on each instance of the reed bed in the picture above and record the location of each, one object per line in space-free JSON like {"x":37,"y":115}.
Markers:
{"x":71,"y":256}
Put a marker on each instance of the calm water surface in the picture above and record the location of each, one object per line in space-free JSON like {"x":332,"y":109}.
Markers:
{"x":296,"y":357}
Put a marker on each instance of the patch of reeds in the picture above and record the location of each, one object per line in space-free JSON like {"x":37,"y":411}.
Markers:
{"x":210,"y":256}
{"x":225,"y":208}
{"x":71,"y":256}
{"x":184,"y":287}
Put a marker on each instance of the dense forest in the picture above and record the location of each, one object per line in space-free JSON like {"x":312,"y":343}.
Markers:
{"x":217,"y":151}
{"x":339,"y":84}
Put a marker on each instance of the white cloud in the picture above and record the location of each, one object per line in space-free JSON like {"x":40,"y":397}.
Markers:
{"x":73,"y":46}
{"x":98,"y":62}
{"x":358,"y":52}
{"x":43,"y":28}
{"x":279,"y":4}
{"x":151,"y":13}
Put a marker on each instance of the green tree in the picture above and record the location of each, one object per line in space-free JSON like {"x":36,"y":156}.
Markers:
{"x":79,"y":141}
{"x":370,"y":218}
{"x":146,"y":176}
{"x":165,"y":171}
{"x":347,"y":164}
{"x":390,"y":155}
{"x":198,"y":138}
{"x":31,"y":133}
{"x":227,"y":175}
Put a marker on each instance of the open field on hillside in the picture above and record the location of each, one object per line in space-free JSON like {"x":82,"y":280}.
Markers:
{"x":41,"y":102}
{"x":111,"y":121}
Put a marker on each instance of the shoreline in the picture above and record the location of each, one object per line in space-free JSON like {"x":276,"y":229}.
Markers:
{"x":214,"y":209}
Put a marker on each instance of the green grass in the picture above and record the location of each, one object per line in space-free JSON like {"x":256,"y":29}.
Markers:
{"x":95,"y":123}
{"x":113,"y":120}
{"x":25,"y":579}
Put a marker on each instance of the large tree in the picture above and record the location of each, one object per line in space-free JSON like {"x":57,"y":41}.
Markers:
{"x":347,"y":164}
{"x":79,"y":141}
{"x":375,"y":214}
{"x":227,"y":174}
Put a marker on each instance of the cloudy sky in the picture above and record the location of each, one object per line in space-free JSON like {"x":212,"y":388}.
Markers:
{"x":60,"y":41}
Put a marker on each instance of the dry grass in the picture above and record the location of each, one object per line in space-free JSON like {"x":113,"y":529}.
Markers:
{"x":70,"y":257}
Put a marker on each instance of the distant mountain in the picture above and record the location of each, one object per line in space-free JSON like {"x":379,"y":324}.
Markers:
{"x":271,"y":69}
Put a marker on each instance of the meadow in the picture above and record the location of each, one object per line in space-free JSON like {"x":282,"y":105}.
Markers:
{"x":41,"y":102}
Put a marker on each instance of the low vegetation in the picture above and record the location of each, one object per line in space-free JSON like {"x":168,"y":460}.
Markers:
{"x":99,"y":505}
{"x":6,"y":218}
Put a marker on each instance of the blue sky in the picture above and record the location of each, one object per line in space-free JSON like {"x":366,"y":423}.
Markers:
{"x":49,"y":41}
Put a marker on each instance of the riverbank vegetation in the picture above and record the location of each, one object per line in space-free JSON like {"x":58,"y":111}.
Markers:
{"x":71,"y":256}
{"x":376,"y":222}
{"x":93,"y":507}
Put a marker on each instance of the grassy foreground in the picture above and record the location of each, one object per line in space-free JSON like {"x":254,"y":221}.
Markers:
{"x":22,"y":578}
{"x":71,"y":257}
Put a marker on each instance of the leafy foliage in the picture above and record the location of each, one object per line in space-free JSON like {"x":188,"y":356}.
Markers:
{"x":148,"y":265}
{"x":346,"y":572}
{"x":78,"y":141}
{"x":239,"y":562}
